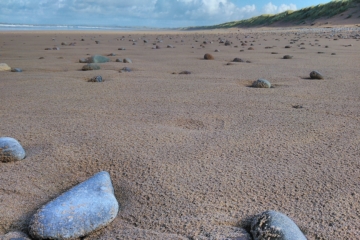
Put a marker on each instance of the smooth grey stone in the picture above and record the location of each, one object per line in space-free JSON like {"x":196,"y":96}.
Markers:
{"x":83,"y":60}
{"x":275,"y":226}
{"x":261,"y":83}
{"x":98,"y":59}
{"x":127,"y":60}
{"x":125,"y":69}
{"x":16,"y":70}
{"x":316,"y":75}
{"x":90,"y":66}
{"x":83,"y":209}
{"x":96,"y":79}
{"x":11,"y":150}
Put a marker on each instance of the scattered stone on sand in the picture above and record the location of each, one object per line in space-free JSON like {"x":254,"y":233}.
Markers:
{"x":4,"y":67}
{"x":118,"y":60}
{"x":320,"y":52}
{"x":112,"y":54}
{"x":170,"y":46}
{"x":41,"y":57}
{"x":121,"y":49}
{"x":250,"y":48}
{"x":261,"y":83}
{"x":316,"y":75}
{"x":90,"y":66}
{"x":16,"y":70}
{"x":15,"y":236}
{"x":125,"y":69}
{"x":98,"y":59}
{"x":127,"y":60}
{"x":208,"y":56}
{"x":81,"y":210}
{"x":287,"y":57}
{"x":185,"y":72}
{"x":275,"y":225}
{"x":274,"y":53}
{"x":96,"y":79}
{"x":227,"y":43}
{"x":47,"y":49}
{"x":333,"y":53}
{"x":97,"y":42}
{"x":11,"y":150}
{"x":238,"y":60}
{"x":287,"y":46}
{"x":64,"y":44}
{"x":297,"y":106}
{"x":216,"y":50}
{"x":83,"y":60}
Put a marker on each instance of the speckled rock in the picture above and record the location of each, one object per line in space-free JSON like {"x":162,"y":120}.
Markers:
{"x":83,"y":209}
{"x":4,"y":67}
{"x":96,"y":79}
{"x":275,"y":226}
{"x":90,"y":66}
{"x":11,"y":150}
{"x":15,"y":236}
{"x":316,"y":75}
{"x":261,"y":83}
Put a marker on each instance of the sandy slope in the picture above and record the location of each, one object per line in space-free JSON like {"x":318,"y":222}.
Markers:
{"x":190,"y":156}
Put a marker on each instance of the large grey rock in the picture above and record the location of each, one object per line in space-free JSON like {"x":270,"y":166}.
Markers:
{"x":11,"y":150}
{"x":98,"y":59}
{"x":83,"y":209}
{"x":261,"y":83}
{"x":275,"y":226}
{"x":15,"y":236}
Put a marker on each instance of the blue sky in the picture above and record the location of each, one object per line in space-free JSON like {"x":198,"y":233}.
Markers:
{"x":151,"y":13}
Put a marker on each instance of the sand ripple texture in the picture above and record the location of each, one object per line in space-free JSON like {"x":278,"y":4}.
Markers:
{"x":190,"y":156}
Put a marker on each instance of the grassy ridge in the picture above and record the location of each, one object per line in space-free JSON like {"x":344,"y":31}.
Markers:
{"x":327,"y":10}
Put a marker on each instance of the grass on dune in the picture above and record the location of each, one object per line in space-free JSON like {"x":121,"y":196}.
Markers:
{"x":327,"y":10}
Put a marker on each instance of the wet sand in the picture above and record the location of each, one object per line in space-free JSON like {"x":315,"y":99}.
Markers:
{"x":190,"y":156}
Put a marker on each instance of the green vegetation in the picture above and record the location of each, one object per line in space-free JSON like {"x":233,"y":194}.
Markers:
{"x":312,"y":13}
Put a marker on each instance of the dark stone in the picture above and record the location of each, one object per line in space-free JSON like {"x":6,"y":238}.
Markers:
{"x":11,"y":150}
{"x":87,"y":207}
{"x":185,"y":72}
{"x":208,"y":56}
{"x":238,"y":60}
{"x":316,"y":75}
{"x":287,"y":57}
{"x":90,"y":66}
{"x":119,"y":60}
{"x":96,"y":79}
{"x":121,"y":49}
{"x":261,"y":83}
{"x":127,"y":60}
{"x":275,"y":226}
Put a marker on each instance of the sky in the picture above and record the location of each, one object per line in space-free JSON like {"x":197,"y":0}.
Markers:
{"x":149,"y":13}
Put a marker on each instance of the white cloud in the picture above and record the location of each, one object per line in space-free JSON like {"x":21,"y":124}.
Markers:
{"x":124,"y":12}
{"x":272,"y":9}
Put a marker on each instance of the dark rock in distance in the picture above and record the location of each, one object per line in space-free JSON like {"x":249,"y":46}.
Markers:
{"x":83,"y":209}
{"x":185,"y":72}
{"x":208,"y":56}
{"x":287,"y":57}
{"x":96,"y":79}
{"x":238,"y":60}
{"x":316,"y":75}
{"x":275,"y":225}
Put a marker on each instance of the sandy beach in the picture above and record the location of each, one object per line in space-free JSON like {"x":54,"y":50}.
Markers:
{"x":191,"y":156}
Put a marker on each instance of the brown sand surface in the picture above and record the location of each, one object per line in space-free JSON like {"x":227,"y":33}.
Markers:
{"x":190,"y":156}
